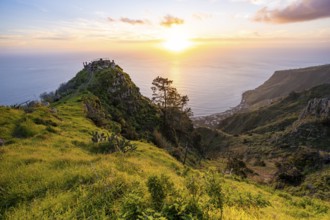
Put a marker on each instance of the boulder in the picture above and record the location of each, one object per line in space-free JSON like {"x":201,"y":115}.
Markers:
{"x":317,"y":107}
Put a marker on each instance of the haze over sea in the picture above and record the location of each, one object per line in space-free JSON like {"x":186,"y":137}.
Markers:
{"x":213,"y":79}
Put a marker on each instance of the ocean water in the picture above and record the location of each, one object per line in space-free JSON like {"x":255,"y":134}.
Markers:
{"x":213,"y":80}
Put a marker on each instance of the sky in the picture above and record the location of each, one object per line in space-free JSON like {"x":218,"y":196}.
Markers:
{"x":74,"y":25}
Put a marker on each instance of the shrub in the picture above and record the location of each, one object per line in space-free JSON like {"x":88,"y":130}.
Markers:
{"x":238,"y":167}
{"x":46,"y":122}
{"x":111,"y":143}
{"x":214,"y":190}
{"x":48,"y":97}
{"x":159,"y":187}
{"x":288,"y":174}
{"x":133,"y":206}
{"x":161,"y":141}
{"x":26,"y":129}
{"x":259,"y":162}
{"x":181,"y":209}
{"x":194,"y":187}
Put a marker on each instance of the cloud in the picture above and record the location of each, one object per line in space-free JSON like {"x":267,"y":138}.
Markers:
{"x":132,"y":21}
{"x":298,"y":11}
{"x":128,"y":20}
{"x":170,"y":20}
{"x":257,"y":2}
{"x":110,"y":19}
{"x":202,"y":16}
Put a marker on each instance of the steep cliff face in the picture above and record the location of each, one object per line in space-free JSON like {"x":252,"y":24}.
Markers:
{"x":281,"y":83}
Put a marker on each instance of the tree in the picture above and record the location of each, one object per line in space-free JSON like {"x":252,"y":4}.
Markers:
{"x":176,"y":122}
{"x":168,"y":98}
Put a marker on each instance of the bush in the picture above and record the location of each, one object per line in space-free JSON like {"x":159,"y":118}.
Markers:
{"x":159,"y":187}
{"x":180,"y":209}
{"x":48,"y":97}
{"x":259,"y":162}
{"x":26,"y":129}
{"x":214,"y":190}
{"x":161,"y":141}
{"x":46,"y":122}
{"x":133,"y":207}
{"x":194,"y":187}
{"x":238,"y":167}
{"x":247,"y":200}
{"x":111,"y":143}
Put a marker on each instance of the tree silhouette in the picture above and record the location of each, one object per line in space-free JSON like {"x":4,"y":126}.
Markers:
{"x":176,"y":122}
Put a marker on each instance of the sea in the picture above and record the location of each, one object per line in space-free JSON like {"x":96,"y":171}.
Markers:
{"x":213,"y":79}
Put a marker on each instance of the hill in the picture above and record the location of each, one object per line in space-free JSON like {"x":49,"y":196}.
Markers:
{"x":277,"y":87}
{"x":286,"y":143}
{"x":51,"y":166}
{"x":283,"y":82}
{"x":115,"y":101}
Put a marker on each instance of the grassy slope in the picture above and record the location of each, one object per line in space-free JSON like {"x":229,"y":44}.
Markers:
{"x":53,"y":174}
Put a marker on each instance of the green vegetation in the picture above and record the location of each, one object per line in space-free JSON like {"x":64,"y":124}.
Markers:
{"x":176,"y":132}
{"x":286,"y":142}
{"x":71,"y":160}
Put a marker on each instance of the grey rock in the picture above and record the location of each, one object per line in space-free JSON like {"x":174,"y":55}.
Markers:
{"x":317,"y":107}
{"x":2,"y":142}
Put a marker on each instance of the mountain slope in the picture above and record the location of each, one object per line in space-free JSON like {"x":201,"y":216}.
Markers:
{"x":287,"y":142}
{"x":54,"y":174}
{"x":274,"y":117}
{"x":277,"y":87}
{"x":281,"y":83}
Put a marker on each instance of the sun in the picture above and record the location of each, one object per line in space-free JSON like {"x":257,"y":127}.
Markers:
{"x":176,"y":41}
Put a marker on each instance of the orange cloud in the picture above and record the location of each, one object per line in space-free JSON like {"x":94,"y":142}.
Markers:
{"x":170,"y":20}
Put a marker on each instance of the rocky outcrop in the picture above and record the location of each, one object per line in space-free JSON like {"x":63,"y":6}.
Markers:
{"x":317,"y":107}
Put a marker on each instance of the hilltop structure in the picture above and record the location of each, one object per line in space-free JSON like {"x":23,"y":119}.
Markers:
{"x":99,"y":64}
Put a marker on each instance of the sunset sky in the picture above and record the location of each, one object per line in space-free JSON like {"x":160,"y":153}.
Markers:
{"x":38,"y":25}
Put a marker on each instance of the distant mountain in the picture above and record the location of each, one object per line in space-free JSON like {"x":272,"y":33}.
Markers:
{"x":277,"y":87}
{"x":281,"y":83}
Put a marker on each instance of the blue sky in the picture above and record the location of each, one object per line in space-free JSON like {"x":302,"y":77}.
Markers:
{"x":102,"y":24}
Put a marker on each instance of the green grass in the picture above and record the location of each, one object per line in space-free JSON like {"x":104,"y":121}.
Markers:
{"x":53,"y":174}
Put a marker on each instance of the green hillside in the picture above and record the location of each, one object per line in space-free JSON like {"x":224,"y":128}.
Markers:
{"x":285,"y":143}
{"x":50,"y":168}
{"x":281,"y":83}
{"x":274,"y":117}
{"x":52,"y":172}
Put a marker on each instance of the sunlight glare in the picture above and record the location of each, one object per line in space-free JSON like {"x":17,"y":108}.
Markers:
{"x":176,"y":41}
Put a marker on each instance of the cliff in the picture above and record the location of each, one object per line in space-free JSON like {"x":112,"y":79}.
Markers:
{"x":277,"y":87}
{"x":281,"y":83}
